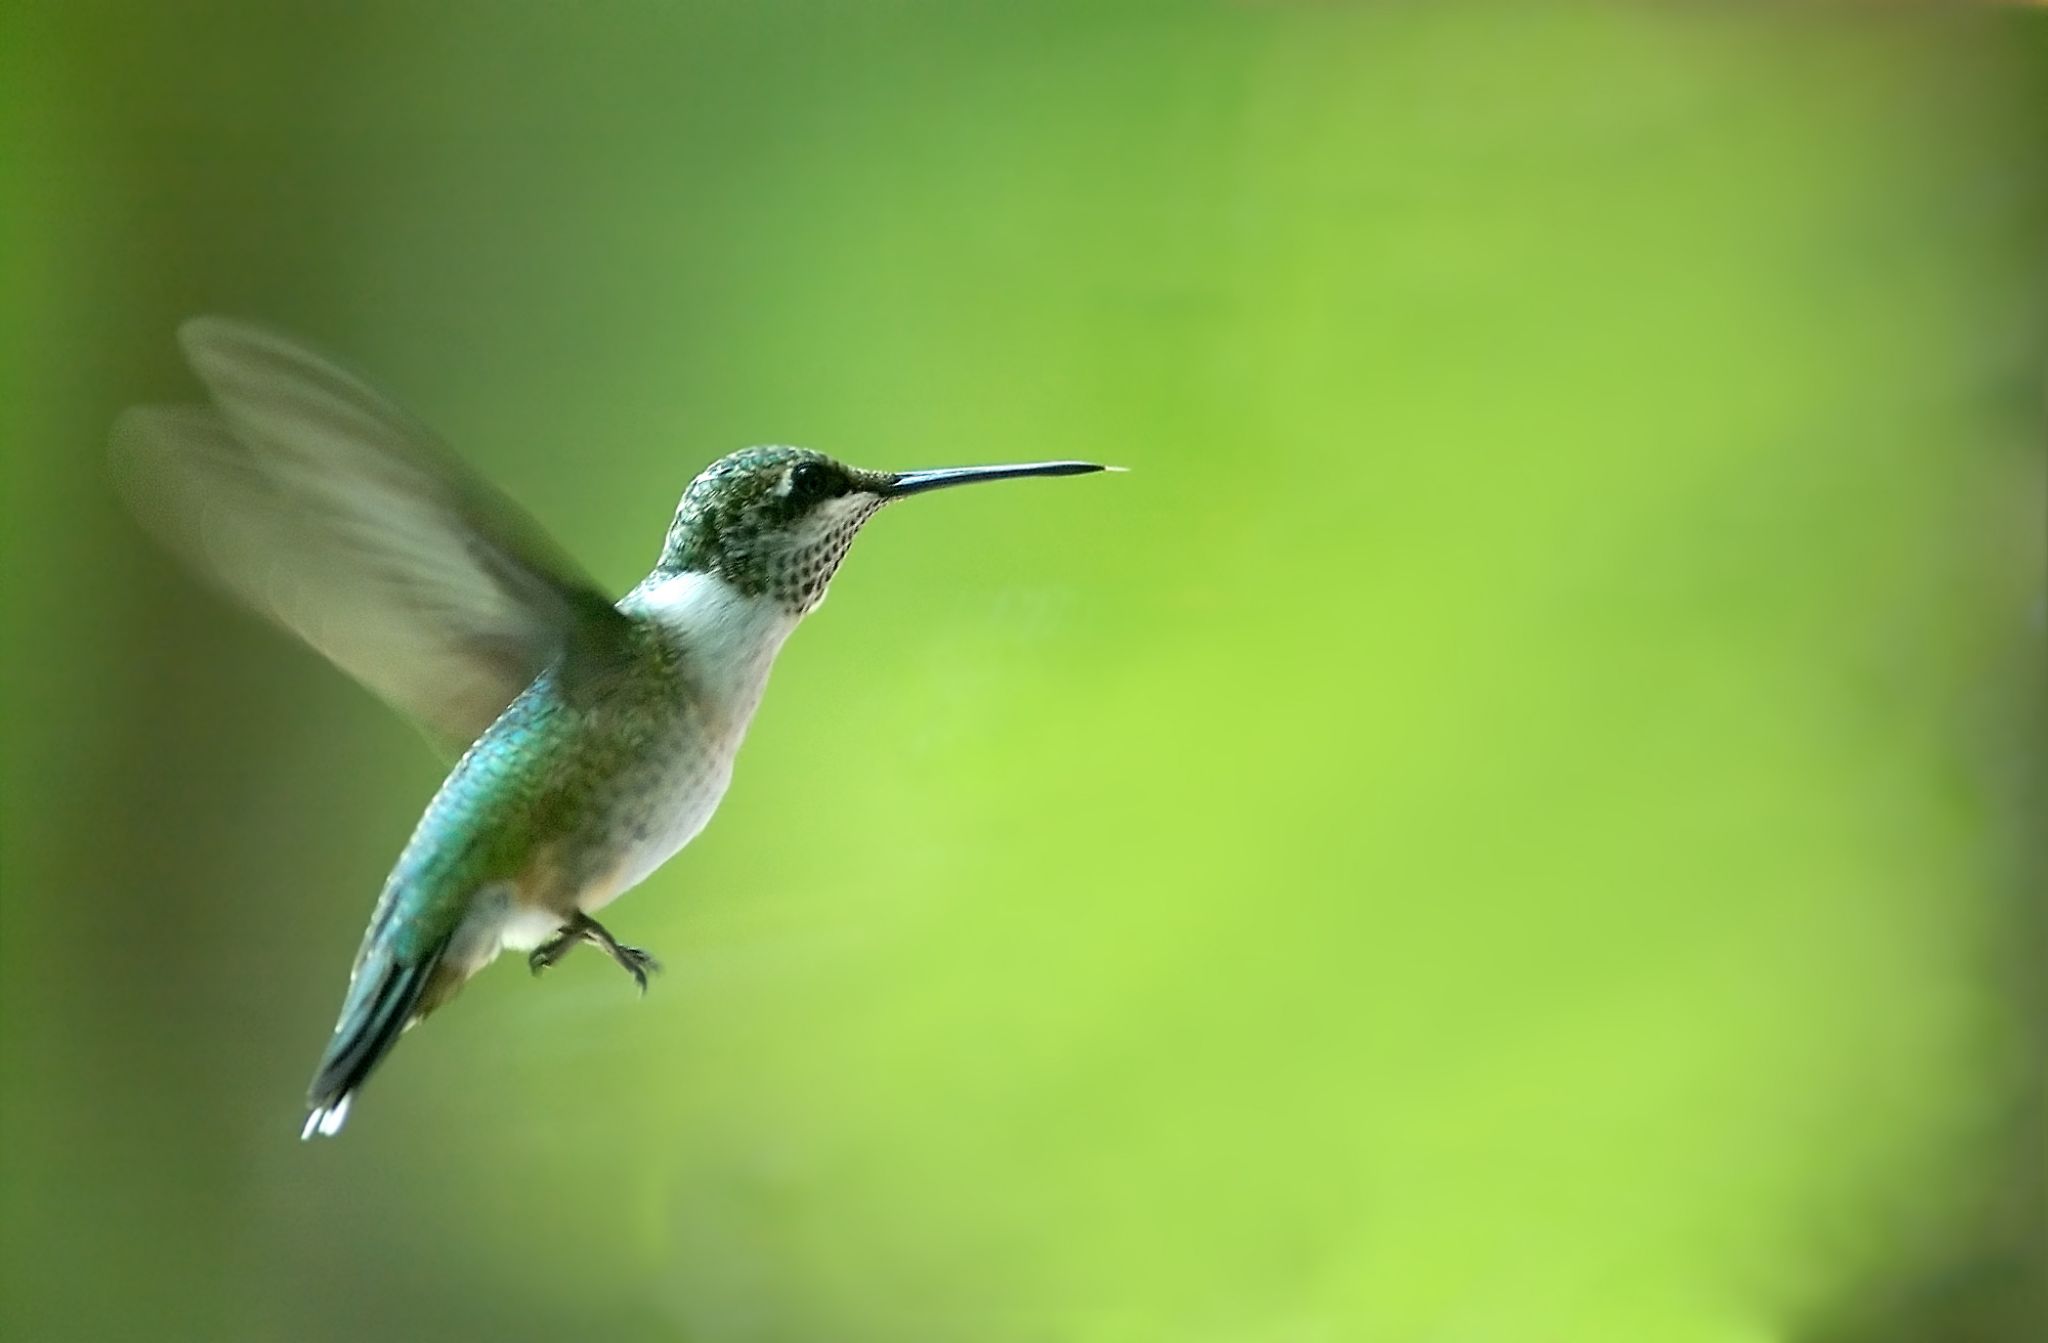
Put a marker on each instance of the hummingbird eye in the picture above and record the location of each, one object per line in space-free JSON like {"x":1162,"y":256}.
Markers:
{"x":808,"y":482}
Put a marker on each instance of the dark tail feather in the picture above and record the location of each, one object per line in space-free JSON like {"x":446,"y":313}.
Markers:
{"x":370,"y":1025}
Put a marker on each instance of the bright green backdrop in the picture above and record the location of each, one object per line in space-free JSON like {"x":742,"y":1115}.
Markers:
{"x":1508,"y":826}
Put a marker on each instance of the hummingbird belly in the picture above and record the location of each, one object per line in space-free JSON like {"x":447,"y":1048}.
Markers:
{"x":658,"y":812}
{"x":675,"y":813}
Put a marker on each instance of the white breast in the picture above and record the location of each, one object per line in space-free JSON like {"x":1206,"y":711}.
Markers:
{"x":730,"y":640}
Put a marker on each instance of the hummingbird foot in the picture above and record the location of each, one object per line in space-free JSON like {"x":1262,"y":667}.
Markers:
{"x":635,"y":961}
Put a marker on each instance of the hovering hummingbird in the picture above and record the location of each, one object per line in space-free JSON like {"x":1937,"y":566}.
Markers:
{"x":600,"y":736}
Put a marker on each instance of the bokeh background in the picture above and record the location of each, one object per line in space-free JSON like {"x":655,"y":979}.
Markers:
{"x":1517,"y":820}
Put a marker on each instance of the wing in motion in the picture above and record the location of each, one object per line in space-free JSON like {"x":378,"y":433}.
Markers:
{"x":316,"y":501}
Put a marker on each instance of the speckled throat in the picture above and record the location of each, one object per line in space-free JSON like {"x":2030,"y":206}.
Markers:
{"x":797,"y":576}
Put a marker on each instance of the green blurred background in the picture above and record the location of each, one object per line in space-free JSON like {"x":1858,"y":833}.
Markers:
{"x":1511,"y":825}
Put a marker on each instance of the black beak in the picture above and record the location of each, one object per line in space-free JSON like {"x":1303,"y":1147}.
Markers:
{"x":906,"y":483}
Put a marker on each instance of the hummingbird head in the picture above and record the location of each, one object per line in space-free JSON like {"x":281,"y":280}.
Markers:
{"x":777,"y":521}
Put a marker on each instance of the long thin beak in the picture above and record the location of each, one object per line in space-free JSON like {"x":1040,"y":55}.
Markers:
{"x":906,"y":483}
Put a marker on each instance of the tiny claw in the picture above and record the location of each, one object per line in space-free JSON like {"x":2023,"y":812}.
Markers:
{"x":639,"y":964}
{"x":548,"y":952}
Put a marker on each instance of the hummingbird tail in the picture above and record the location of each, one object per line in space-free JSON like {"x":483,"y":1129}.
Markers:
{"x":370,"y":1025}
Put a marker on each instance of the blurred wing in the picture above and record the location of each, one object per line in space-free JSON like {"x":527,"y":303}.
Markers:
{"x":310,"y":497}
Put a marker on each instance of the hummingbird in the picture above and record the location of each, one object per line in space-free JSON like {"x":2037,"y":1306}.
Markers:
{"x":597,"y":737}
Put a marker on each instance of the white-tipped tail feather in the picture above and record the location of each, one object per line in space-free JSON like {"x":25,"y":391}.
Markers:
{"x":326,"y":1120}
